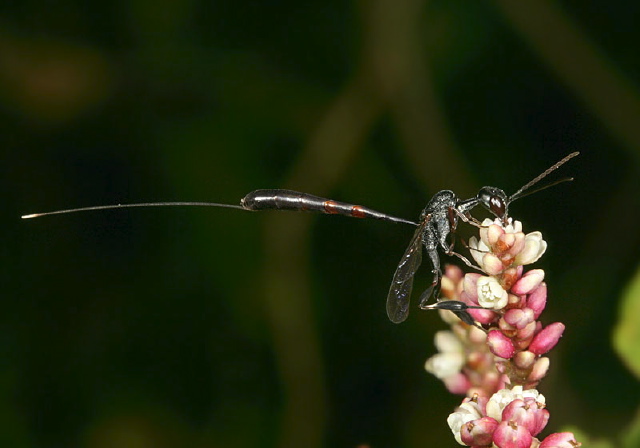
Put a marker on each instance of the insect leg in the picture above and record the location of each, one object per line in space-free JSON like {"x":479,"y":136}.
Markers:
{"x":466,"y":261}
{"x":453,"y":216}
{"x":466,"y":217}
{"x":458,"y":308}
{"x":437,"y":275}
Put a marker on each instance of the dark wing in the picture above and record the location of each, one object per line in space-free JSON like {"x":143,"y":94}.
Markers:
{"x":402,"y":283}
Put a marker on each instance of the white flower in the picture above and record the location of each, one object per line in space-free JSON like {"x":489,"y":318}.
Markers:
{"x":502,"y":398}
{"x":512,"y":226}
{"x":486,"y":227}
{"x":482,"y":254}
{"x":450,"y":359}
{"x":534,"y":247}
{"x":466,"y":412}
{"x":490,"y":294}
{"x":477,"y":248}
{"x":447,"y":341}
{"x":533,"y":393}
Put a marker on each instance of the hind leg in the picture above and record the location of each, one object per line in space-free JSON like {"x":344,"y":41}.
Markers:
{"x":437,"y":275}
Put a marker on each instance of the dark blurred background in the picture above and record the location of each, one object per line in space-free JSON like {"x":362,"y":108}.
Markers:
{"x":191,"y":327}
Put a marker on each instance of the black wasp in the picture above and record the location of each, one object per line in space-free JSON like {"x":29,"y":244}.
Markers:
{"x":437,"y":222}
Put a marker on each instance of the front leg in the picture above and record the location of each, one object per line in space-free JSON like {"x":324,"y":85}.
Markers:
{"x":453,"y":215}
{"x":466,"y":217}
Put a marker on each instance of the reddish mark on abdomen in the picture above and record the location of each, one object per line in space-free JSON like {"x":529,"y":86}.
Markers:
{"x":358,"y":212}
{"x":331,"y":207}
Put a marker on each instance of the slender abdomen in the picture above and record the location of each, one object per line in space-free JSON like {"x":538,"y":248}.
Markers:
{"x":297,"y":201}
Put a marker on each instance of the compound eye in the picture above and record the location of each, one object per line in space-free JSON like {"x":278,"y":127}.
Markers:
{"x":497,"y":206}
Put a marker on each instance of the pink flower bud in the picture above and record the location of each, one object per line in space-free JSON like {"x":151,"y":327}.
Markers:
{"x":517,"y":412}
{"x":504,"y":382}
{"x":492,"y":381}
{"x":466,"y":412}
{"x":478,"y":432}
{"x":447,"y":287}
{"x":518,"y":244}
{"x":540,"y":369}
{"x":519,"y":318}
{"x":541,"y":420}
{"x":500,"y":345}
{"x":528,"y":282}
{"x":477,"y":336}
{"x":505,"y":244}
{"x":547,"y":338}
{"x":470,"y":287}
{"x":560,"y":440}
{"x":527,"y":413}
{"x":491,"y":264}
{"x":524,"y":359}
{"x":457,"y":384}
{"x":479,"y":401}
{"x":492,"y":234}
{"x":453,"y":272}
{"x":537,"y":299}
{"x":513,"y":316}
{"x":526,"y":333}
{"x":501,"y":367}
{"x":511,"y":435}
{"x":506,"y":328}
{"x":483,"y":316}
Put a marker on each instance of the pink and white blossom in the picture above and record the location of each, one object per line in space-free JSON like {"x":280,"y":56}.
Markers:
{"x":498,"y":363}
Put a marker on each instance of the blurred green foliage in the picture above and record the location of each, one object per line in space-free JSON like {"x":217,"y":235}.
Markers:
{"x":626,"y":336}
{"x":215,"y":328}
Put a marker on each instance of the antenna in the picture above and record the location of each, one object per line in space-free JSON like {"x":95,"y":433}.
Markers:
{"x":521,"y":192}
{"x":142,"y":204}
